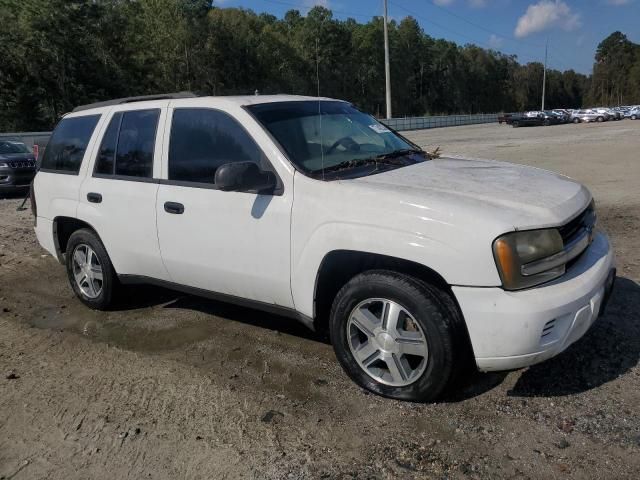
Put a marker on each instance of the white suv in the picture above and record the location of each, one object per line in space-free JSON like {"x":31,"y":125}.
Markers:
{"x":312,"y":209}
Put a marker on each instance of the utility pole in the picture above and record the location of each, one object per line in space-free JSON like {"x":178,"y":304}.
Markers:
{"x":544,"y":72}
{"x":387,"y":73}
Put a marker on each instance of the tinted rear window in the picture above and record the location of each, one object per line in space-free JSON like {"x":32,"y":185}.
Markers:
{"x":68,"y":144}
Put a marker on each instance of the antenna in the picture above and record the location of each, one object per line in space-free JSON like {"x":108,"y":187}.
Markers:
{"x":319,"y":105}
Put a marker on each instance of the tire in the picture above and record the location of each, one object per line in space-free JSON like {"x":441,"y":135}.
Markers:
{"x":425,"y":319}
{"x":85,"y":282}
{"x":515,"y":124}
{"x":600,"y":119}
{"x":546,"y":123}
{"x":576,"y":120}
{"x":633,"y":117}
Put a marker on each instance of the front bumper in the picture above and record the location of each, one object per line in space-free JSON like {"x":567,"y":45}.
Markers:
{"x":10,"y":178}
{"x":511,"y":330}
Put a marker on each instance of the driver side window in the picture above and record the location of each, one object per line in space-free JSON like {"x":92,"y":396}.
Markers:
{"x":203,"y":139}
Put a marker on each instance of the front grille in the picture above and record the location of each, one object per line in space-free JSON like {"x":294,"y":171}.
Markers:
{"x":585,"y":221}
{"x":576,"y":227}
{"x":22,"y":164}
{"x":548,"y":328}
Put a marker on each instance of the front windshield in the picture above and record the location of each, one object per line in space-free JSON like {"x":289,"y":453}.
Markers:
{"x":7,"y":147}
{"x":319,"y":135}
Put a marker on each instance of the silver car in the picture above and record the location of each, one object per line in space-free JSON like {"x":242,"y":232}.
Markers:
{"x":587,"y":116}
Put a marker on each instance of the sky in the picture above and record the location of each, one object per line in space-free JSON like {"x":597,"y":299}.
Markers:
{"x":573,"y":28}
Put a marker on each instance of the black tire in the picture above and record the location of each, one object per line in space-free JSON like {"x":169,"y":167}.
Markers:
{"x":633,"y":117}
{"x":109,"y":278}
{"x":515,"y":124}
{"x":600,"y":119}
{"x":446,"y":353}
{"x":576,"y":120}
{"x":546,"y":123}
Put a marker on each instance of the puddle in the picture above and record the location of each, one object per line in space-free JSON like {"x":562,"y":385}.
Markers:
{"x":124,"y":335}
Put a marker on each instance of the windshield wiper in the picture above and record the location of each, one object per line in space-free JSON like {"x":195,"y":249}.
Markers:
{"x":384,"y":158}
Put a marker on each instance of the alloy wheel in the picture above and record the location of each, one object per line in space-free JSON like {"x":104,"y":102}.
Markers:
{"x":87,"y":271}
{"x":387,"y":342}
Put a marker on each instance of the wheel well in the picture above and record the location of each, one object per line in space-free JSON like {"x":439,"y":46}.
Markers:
{"x":63,"y":228}
{"x":340,"y":266}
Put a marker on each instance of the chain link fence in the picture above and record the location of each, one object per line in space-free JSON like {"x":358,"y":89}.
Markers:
{"x":401,"y":124}
{"x":437,"y":121}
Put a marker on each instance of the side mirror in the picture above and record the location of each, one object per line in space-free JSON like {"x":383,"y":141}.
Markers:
{"x":244,"y":177}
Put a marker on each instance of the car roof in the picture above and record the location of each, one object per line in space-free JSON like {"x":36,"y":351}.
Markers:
{"x":221,"y":101}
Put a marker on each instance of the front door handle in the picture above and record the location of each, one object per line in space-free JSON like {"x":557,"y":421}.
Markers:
{"x":173,"y":207}
{"x":94,"y":197}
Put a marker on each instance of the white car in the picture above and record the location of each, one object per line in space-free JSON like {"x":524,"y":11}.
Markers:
{"x":312,"y":209}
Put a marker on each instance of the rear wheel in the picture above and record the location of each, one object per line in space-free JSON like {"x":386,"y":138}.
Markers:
{"x":515,"y":124}
{"x":576,"y":120}
{"x":89,"y":269}
{"x":394,"y":335}
{"x":600,"y":119}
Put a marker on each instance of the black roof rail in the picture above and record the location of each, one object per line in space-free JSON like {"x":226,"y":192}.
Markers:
{"x":142,"y":98}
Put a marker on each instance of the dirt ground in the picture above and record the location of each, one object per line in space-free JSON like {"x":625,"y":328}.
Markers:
{"x":173,"y":386}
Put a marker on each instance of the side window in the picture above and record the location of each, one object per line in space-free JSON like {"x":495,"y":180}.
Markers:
{"x":202,"y":140}
{"x":107,"y":155}
{"x":68,"y":143}
{"x":128,"y":144}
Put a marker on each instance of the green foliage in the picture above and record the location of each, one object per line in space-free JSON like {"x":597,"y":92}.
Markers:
{"x":60,"y":53}
{"x":616,"y":73}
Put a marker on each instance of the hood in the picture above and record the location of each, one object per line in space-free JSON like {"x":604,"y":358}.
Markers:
{"x":513,"y":196}
{"x":17,"y":156}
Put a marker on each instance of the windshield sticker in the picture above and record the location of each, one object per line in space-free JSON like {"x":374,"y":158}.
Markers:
{"x":379,"y":128}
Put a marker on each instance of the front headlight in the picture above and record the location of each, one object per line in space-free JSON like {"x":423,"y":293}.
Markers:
{"x":513,"y":250}
{"x":4,"y":165}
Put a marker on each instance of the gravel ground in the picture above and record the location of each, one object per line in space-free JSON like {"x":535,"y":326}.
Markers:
{"x":172,"y":386}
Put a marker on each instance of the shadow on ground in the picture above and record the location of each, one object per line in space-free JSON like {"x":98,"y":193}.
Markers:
{"x":610,"y":349}
{"x":141,"y":296}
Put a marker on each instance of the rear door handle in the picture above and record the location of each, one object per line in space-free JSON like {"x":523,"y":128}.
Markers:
{"x":94,"y":197}
{"x":173,"y":207}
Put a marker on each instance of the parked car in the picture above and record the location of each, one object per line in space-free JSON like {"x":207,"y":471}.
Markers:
{"x":587,"y":116}
{"x":565,"y":115}
{"x":17,"y":166}
{"x":633,"y":113}
{"x":528,"y":119}
{"x":505,"y":118}
{"x":312,"y":209}
{"x":552,"y":118}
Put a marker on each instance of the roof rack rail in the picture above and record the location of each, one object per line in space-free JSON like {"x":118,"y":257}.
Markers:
{"x":142,"y":98}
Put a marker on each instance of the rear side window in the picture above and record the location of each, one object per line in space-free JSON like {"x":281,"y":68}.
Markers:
{"x":128,"y":144}
{"x":203,"y":139}
{"x":68,"y":143}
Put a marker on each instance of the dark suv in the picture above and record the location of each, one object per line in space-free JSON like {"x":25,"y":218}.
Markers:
{"x":17,"y":165}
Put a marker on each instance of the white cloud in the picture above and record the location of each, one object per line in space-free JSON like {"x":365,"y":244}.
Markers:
{"x":495,"y":41}
{"x":443,"y":3}
{"x":544,"y":15}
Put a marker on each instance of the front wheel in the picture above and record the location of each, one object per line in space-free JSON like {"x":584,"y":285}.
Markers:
{"x":600,"y":119}
{"x":89,"y":269}
{"x":394,"y":335}
{"x":633,"y":117}
{"x":576,"y":120}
